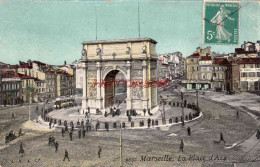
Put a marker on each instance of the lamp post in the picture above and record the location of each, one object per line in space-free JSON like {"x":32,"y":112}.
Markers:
{"x":29,"y":102}
{"x":182,"y":109}
{"x":197,"y":94}
{"x":120,"y":145}
{"x":163,"y":114}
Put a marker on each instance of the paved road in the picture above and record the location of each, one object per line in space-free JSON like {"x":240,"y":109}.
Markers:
{"x":199,"y":148}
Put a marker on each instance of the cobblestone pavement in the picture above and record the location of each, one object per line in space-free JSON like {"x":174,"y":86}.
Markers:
{"x":140,"y":147}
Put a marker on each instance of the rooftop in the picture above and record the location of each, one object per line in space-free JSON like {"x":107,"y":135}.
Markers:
{"x":221,"y":61}
{"x":194,"y":55}
{"x":249,"y":61}
{"x":205,"y":58}
{"x":120,"y":41}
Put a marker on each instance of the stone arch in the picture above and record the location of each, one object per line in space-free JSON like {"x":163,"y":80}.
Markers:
{"x":109,"y":92}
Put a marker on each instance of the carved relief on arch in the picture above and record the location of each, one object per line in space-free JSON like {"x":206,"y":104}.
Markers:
{"x":137,"y":92}
{"x":92,"y":74}
{"x":92,"y":91}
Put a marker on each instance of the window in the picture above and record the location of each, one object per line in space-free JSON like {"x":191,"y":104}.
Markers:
{"x":257,"y":65}
{"x":251,"y":74}
{"x":191,"y":60}
{"x":251,"y":65}
{"x":208,"y":76}
{"x":258,"y":74}
{"x":243,"y":66}
{"x":203,"y":76}
{"x":244,"y":74}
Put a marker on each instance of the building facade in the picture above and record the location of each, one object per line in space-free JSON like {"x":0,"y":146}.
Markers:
{"x":11,"y":89}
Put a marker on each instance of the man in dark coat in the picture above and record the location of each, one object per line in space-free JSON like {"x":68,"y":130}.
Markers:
{"x":62,"y":132}
{"x":56,"y":146}
{"x":70,"y":134}
{"x":189,"y":131}
{"x":66,"y":155}
{"x":144,"y":111}
{"x":13,"y":117}
{"x":181,"y":146}
{"x":149,"y":122}
{"x":99,"y":151}
{"x":84,"y":133}
{"x":50,"y":139}
{"x":79,"y":133}
{"x":221,"y":138}
{"x":21,"y":150}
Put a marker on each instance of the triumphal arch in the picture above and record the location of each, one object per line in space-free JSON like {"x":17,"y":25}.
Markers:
{"x":102,"y":60}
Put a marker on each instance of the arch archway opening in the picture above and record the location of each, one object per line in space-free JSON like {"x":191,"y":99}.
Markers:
{"x":115,"y":88}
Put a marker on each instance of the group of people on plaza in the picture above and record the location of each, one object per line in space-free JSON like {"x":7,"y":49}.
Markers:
{"x":113,"y":111}
{"x":54,"y":143}
{"x":11,"y":136}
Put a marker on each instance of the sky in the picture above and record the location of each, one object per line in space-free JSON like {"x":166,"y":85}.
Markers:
{"x":52,"y":31}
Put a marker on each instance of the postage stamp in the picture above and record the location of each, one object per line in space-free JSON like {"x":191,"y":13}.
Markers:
{"x":221,"y":22}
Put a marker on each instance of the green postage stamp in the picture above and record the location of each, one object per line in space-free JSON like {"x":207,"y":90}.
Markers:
{"x":221,"y":22}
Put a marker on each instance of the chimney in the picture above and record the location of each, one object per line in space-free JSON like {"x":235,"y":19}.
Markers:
{"x":245,"y":45}
{"x":65,"y":63}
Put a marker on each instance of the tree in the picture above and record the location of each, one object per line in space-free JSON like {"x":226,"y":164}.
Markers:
{"x":9,"y":97}
{"x":29,"y":92}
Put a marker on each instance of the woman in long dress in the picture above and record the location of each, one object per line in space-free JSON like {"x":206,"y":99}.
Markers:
{"x":222,"y":33}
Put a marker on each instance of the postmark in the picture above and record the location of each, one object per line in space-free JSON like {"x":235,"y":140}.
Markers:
{"x":221,"y":22}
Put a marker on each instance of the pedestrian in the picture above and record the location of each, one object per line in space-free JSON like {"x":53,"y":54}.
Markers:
{"x":79,"y":133}
{"x":56,"y":146}
{"x":221,"y":138}
{"x":70,"y":134}
{"x":149,"y":122}
{"x":66,"y":155}
{"x":84,"y":133}
{"x":72,"y":127}
{"x":188,"y":130}
{"x":50,"y":139}
{"x":62,"y":132}
{"x":144,"y":111}
{"x":97,"y":125}
{"x":181,"y":146}
{"x":107,"y":126}
{"x":82,"y":123}
{"x":88,"y":110}
{"x":258,"y":134}
{"x":237,"y":114}
{"x":13,"y":117}
{"x":99,"y":151}
{"x":50,"y":124}
{"x":21,"y":150}
{"x":20,"y":132}
{"x":152,"y":122}
{"x":66,"y":128}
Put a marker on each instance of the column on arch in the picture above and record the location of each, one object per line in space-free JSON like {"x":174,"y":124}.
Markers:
{"x":129,"y":90}
{"x":145,"y":99}
{"x":99,"y":98}
{"x":84,"y":95}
